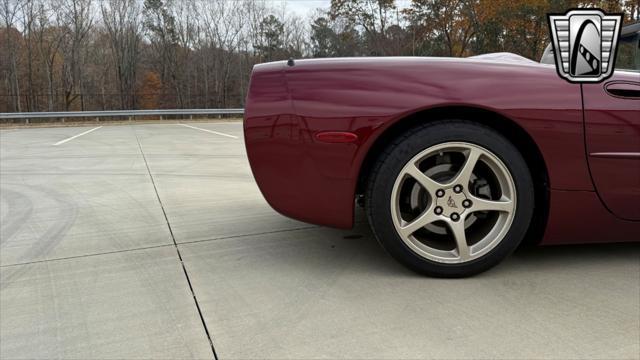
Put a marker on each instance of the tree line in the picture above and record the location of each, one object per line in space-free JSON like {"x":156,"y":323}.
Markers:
{"x":62,"y":55}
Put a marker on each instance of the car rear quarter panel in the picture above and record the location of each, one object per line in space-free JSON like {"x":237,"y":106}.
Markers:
{"x":316,"y":182}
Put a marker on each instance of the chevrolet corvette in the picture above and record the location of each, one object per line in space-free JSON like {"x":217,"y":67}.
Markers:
{"x":456,"y":161}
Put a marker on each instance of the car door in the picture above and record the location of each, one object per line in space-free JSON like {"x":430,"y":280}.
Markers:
{"x":612,"y":132}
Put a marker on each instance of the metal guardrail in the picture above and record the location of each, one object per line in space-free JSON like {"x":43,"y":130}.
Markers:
{"x":117,"y":113}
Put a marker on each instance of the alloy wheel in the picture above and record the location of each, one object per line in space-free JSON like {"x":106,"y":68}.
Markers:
{"x":453,"y":202}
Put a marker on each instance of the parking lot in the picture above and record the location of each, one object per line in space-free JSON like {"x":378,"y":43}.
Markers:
{"x":153,"y":241}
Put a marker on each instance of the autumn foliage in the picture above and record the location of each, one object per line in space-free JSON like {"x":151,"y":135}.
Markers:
{"x":150,"y":90}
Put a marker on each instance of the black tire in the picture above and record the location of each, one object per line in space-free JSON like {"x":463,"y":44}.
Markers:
{"x":405,"y":147}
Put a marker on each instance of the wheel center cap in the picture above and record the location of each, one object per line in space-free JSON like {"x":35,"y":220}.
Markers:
{"x":451,"y":203}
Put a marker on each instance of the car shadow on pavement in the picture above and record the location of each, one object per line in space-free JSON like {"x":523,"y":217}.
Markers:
{"x":361,"y":242}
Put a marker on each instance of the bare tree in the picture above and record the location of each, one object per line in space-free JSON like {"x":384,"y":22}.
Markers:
{"x":160,"y":23}
{"x":77,"y":16}
{"x":223,"y":24}
{"x":28,"y":19}
{"x":184,"y":13}
{"x":296,"y":35}
{"x":9,"y":10}
{"x":122,"y":21}
{"x":374,"y":16}
{"x":48,"y":34}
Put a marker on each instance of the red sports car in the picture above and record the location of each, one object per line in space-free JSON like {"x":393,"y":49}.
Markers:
{"x":455,"y":160}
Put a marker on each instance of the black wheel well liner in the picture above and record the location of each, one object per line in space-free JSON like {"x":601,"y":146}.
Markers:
{"x":507,"y":127}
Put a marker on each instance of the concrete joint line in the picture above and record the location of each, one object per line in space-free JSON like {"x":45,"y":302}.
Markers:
{"x":175,"y":244}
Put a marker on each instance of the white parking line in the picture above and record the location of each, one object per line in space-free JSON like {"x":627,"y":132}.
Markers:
{"x":210,"y":131}
{"x":75,"y":136}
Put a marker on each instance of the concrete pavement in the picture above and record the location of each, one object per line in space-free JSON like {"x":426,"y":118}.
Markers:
{"x":93,"y":231}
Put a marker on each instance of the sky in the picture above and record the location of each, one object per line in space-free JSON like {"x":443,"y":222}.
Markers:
{"x":304,"y":7}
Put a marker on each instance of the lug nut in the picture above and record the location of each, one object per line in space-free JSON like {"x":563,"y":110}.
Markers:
{"x":440,"y":193}
{"x":467,"y":203}
{"x":455,"y":216}
{"x":457,"y":189}
{"x":438,"y":210}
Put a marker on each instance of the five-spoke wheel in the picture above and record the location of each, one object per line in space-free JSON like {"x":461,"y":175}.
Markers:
{"x":450,"y":198}
{"x":472,"y":184}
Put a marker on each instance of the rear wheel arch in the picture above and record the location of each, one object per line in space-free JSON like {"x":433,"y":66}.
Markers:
{"x":507,"y":127}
